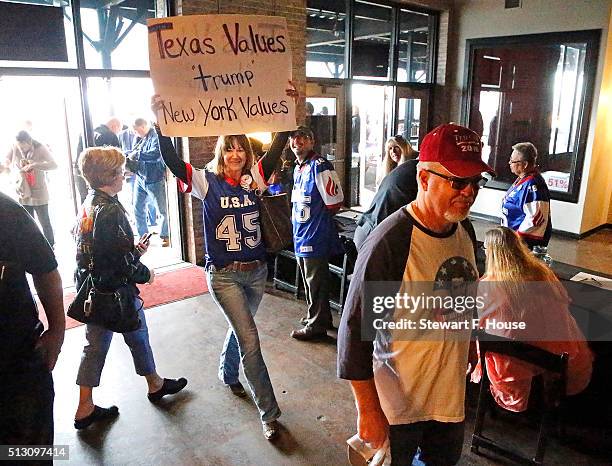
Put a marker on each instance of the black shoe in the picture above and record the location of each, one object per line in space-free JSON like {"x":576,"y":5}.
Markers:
{"x":237,"y":389}
{"x":170,"y":387}
{"x":304,"y":323}
{"x":308,"y":334}
{"x":270,"y":429}
{"x":98,"y":414}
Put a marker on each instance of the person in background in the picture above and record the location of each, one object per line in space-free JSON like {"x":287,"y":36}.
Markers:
{"x":145,"y":161}
{"x":355,"y":129}
{"x":116,"y":261}
{"x":397,"y":189}
{"x":410,"y":388}
{"x":235,"y":254}
{"x":29,"y":160}
{"x":526,"y":205}
{"x":127,"y":139}
{"x":105,"y":134}
{"x":316,"y":197}
{"x":397,"y":151}
{"x":29,"y":352}
{"x":520,"y":288}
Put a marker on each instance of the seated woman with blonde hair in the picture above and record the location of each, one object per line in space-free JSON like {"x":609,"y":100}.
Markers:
{"x":518,"y":288}
{"x":397,"y":151}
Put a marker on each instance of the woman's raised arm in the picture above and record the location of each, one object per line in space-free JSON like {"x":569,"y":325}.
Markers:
{"x":171,"y":159}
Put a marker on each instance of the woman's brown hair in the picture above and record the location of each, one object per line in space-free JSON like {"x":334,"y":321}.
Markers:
{"x":224,"y":143}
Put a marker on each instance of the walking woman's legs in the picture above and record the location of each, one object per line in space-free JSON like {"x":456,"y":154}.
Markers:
{"x":98,"y":340}
{"x":229,"y":294}
{"x":142,"y":354}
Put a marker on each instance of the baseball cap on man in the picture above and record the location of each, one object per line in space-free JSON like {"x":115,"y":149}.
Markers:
{"x":304,"y":131}
{"x":456,"y":148}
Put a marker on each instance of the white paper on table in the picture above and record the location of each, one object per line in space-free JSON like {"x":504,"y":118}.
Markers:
{"x":593,"y":280}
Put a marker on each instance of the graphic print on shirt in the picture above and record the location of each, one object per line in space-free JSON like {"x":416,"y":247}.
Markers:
{"x":456,"y":277}
{"x":231,"y":216}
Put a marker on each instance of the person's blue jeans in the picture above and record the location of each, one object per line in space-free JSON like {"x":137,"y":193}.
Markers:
{"x":98,"y":340}
{"x":238,"y":294}
{"x":150,"y":191}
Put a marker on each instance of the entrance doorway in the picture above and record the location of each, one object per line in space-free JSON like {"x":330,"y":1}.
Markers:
{"x":50,"y":109}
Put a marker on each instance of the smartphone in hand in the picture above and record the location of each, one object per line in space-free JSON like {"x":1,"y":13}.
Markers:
{"x":145,"y":238}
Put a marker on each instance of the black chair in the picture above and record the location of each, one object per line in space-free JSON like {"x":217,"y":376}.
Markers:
{"x":549,"y":405}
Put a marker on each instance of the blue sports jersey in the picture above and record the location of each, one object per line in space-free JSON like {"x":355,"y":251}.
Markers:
{"x":316,"y":190}
{"x":231,"y":215}
{"x":526,"y":210}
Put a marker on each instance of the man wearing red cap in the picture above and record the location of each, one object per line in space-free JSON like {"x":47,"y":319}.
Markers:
{"x":409,"y":385}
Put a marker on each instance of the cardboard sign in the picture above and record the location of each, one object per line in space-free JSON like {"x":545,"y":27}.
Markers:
{"x":221,"y":74}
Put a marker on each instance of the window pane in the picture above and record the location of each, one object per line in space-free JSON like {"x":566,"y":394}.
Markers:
{"x":68,"y":33}
{"x":414,"y":47}
{"x":530,"y":92}
{"x":409,"y":120}
{"x":372,"y":41}
{"x":325,"y":23}
{"x":115,"y":34}
{"x":321,"y":118}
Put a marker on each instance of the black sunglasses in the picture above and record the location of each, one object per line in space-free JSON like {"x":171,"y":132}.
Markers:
{"x":461,"y":183}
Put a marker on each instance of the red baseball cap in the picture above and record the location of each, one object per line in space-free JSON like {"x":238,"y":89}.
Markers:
{"x":456,"y":148}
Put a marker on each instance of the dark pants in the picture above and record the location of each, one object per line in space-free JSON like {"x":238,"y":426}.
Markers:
{"x":81,"y":185}
{"x":440,"y":442}
{"x":26,"y":409}
{"x":315,"y":274}
{"x":42,"y":213}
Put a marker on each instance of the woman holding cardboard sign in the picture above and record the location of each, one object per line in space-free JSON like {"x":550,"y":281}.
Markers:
{"x":235,"y":254}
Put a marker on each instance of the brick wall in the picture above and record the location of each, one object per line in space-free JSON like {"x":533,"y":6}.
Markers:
{"x":199,"y":151}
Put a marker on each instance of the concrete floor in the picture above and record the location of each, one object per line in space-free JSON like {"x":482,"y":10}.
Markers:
{"x":205,"y":424}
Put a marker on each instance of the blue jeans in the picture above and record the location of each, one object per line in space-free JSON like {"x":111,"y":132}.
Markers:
{"x":238,"y":294}
{"x":150,"y":191}
{"x":99,"y":340}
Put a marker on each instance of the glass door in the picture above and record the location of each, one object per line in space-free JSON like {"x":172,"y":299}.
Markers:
{"x":371,"y":124}
{"x":325,"y":109}
{"x":128,"y":99}
{"x":412,"y":110}
{"x":53,"y":119}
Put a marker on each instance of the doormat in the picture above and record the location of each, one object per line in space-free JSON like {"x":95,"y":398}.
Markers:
{"x":168,"y":287}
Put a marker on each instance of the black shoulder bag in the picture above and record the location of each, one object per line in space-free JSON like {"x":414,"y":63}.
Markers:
{"x":275,"y":219}
{"x":113,"y":310}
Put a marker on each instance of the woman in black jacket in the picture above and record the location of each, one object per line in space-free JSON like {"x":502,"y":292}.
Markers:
{"x":113,"y":260}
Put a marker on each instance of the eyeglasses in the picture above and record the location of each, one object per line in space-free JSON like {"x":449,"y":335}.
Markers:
{"x":515,"y":161}
{"x":461,"y":183}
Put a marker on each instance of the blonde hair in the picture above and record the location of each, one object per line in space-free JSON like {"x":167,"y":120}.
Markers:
{"x":511,"y":264}
{"x":407,"y":153}
{"x":99,"y":165}
{"x":224,"y":143}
